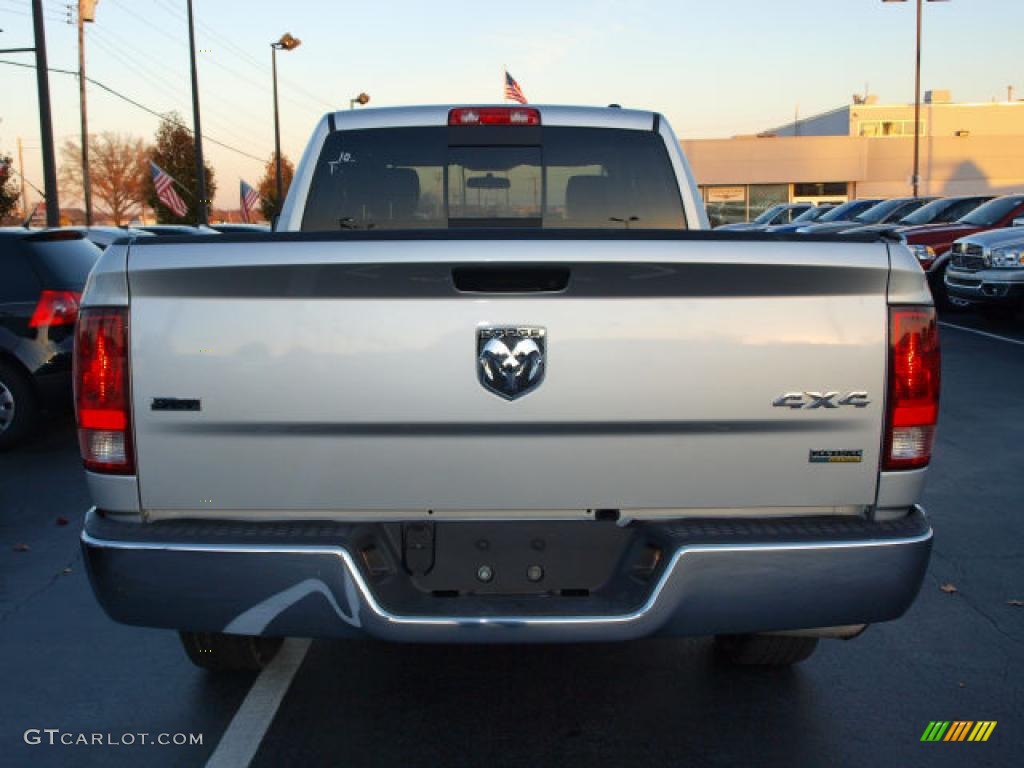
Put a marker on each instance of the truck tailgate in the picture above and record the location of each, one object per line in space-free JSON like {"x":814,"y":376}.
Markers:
{"x":336,"y":375}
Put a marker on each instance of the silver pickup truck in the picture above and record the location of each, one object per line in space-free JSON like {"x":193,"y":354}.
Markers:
{"x":987,"y":269}
{"x":492,"y":380}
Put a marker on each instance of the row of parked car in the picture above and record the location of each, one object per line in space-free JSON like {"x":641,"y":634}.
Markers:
{"x":42,"y":274}
{"x":970,"y":246}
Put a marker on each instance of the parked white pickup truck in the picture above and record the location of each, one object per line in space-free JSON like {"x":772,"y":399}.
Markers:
{"x":492,"y":380}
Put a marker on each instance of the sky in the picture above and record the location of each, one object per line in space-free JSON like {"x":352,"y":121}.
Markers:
{"x":715,"y":68}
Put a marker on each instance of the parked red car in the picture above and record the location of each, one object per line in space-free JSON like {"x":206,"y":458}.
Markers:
{"x":931,"y":244}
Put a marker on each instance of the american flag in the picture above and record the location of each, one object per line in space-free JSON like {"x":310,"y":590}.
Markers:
{"x":165,"y":190}
{"x":250,"y":199}
{"x":512,"y":89}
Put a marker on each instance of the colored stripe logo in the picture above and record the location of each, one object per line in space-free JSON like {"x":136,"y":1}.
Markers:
{"x":958,"y":730}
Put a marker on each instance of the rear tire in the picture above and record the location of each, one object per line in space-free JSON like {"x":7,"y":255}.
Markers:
{"x":17,"y":405}
{"x":764,"y":650}
{"x":229,"y":653}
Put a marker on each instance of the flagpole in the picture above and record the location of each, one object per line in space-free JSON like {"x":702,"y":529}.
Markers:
{"x":181,"y":186}
{"x":504,"y":81}
{"x":176,"y":183}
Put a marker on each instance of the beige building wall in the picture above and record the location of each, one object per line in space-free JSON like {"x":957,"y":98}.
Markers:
{"x":950,"y":165}
{"x":945,"y":120}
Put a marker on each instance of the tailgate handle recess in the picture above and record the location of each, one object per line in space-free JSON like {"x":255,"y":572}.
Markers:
{"x":515,"y":279}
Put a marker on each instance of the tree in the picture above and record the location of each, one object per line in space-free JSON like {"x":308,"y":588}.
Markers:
{"x":269,"y":203}
{"x":8,"y":189}
{"x":174,"y":152}
{"x":117,"y":170}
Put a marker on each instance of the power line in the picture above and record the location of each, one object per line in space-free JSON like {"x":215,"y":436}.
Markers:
{"x":248,"y":58}
{"x":12,"y":169}
{"x":121,"y":52}
{"x":143,"y":107}
{"x":241,"y":76}
{"x":141,"y":57}
{"x":27,"y":14}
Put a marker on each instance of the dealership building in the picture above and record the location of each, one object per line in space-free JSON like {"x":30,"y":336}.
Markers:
{"x":864,"y":149}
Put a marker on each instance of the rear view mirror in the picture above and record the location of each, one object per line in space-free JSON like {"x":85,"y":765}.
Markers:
{"x":1018,"y":222}
{"x":490,"y":181}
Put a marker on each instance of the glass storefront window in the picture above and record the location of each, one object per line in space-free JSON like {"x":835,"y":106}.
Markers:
{"x":826,"y":189}
{"x":764,"y":196}
{"x":726,"y":204}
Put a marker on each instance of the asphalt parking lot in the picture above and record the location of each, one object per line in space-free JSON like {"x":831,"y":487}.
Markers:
{"x":957,"y":655}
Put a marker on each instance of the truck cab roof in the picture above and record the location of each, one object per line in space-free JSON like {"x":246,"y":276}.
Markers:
{"x":550,"y":114}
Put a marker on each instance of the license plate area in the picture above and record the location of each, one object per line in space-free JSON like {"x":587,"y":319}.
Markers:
{"x":566,"y":558}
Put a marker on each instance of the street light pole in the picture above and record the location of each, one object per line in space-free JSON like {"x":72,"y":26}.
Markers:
{"x":277,"y":131}
{"x":45,"y":117}
{"x":286,"y":43}
{"x":197,"y":129}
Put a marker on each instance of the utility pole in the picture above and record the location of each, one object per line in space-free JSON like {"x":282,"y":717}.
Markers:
{"x":21,"y":174}
{"x":197,"y":129}
{"x":45,"y":118}
{"x":86,"y":12}
{"x":916,"y":178}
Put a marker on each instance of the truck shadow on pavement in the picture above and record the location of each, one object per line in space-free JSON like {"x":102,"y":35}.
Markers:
{"x":653,"y":702}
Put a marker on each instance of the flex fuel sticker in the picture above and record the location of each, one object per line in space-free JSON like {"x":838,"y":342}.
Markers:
{"x":836,"y":457}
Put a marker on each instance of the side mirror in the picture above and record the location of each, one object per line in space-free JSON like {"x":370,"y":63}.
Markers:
{"x":273,"y":222}
{"x":1018,"y":222}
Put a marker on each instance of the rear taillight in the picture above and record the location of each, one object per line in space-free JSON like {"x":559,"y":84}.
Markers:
{"x":55,"y":308}
{"x":913,"y":405}
{"x":494,"y":116}
{"x":102,"y":401}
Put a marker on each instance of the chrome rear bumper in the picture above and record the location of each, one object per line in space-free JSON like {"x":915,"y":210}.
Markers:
{"x":302,"y":579}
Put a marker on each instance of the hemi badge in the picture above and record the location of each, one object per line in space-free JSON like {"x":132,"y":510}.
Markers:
{"x":175,"y":404}
{"x":836,"y":457}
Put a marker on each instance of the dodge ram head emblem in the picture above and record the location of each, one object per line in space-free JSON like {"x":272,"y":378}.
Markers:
{"x":510,"y":361}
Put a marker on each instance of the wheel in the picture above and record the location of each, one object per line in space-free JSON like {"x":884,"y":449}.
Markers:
{"x":17,"y":405}
{"x":229,"y":653}
{"x":764,"y":650}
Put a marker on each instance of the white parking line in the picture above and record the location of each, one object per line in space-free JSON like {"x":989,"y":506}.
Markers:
{"x":247,"y":728}
{"x":982,"y":333}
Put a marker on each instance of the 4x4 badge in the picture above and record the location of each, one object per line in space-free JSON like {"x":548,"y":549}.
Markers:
{"x":811,"y":400}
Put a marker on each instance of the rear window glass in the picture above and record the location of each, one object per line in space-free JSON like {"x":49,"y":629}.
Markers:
{"x":63,"y":263}
{"x":989,"y":214}
{"x":847,"y":211}
{"x":18,"y":282}
{"x":880,"y":212}
{"x":414,"y":178}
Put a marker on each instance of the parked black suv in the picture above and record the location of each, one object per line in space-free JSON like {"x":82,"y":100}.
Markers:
{"x":42,"y":274}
